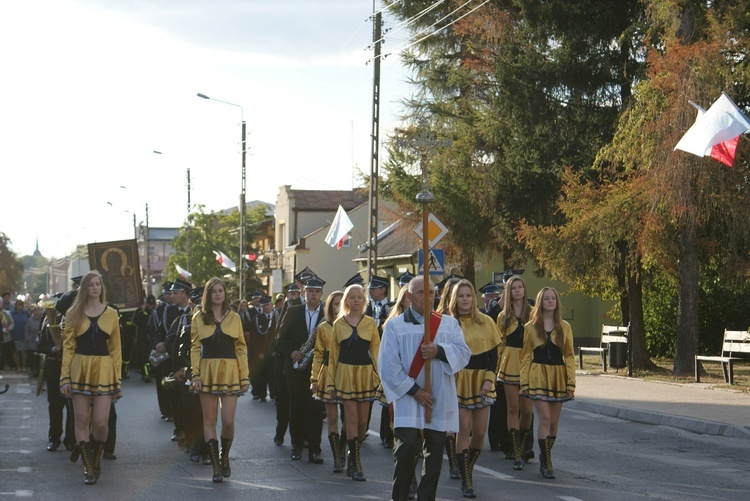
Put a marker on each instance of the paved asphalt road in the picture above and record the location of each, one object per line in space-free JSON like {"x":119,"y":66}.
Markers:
{"x":595,"y":457}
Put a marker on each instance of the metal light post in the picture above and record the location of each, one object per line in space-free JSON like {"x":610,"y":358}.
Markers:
{"x":242,"y":195}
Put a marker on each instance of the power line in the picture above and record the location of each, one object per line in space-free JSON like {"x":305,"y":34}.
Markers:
{"x":403,"y":48}
{"x":403,"y":24}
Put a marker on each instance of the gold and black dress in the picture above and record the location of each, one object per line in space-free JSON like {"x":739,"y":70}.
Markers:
{"x":548,"y":372}
{"x":319,"y":373}
{"x":353,"y":359}
{"x":218,"y":355}
{"x":509,"y":369}
{"x":483,"y":340}
{"x":92,"y":357}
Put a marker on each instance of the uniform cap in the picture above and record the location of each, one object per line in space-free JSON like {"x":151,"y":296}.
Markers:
{"x":304,"y":275}
{"x":377,"y":281}
{"x":180,"y":285}
{"x":315,"y":283}
{"x":405,"y":278}
{"x":490,"y":288}
{"x":452,"y":276}
{"x":356,"y":279}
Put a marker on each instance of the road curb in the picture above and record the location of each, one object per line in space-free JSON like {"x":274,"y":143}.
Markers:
{"x":692,"y":425}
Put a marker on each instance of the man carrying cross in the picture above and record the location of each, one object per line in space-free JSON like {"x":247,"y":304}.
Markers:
{"x":401,"y":365}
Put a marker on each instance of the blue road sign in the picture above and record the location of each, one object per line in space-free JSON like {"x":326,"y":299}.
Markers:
{"x":435,"y":263}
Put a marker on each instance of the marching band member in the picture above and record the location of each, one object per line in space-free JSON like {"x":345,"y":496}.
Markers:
{"x":296,"y":343}
{"x":548,"y":370}
{"x":218,"y":359}
{"x":318,"y":377}
{"x":511,"y":323}
{"x":351,"y":370}
{"x":91,"y":368}
{"x":475,"y":383}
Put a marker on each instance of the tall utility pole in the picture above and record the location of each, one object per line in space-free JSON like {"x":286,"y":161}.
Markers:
{"x":148,"y":258}
{"x":188,"y":218}
{"x":372,"y":247}
{"x":242,"y":216}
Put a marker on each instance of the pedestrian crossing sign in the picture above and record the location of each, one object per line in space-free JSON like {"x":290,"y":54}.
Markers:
{"x":435,"y":262}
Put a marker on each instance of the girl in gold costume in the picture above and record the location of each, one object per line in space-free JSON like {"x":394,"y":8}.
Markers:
{"x":218,"y":355}
{"x":91,"y":368}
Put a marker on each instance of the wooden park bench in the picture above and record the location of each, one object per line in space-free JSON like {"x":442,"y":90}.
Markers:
{"x":734,"y":348}
{"x":610,"y":334}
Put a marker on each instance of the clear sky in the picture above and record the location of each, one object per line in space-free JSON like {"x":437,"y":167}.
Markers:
{"x":90,"y":88}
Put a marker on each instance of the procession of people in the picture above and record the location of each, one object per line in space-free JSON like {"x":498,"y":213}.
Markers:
{"x":317,"y":360}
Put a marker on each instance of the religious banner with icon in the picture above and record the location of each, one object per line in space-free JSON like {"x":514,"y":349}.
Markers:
{"x":121,"y":271}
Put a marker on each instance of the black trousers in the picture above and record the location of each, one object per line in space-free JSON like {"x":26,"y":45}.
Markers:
{"x":386,"y":433}
{"x":111,"y":442}
{"x":262,"y":378}
{"x":56,"y":404}
{"x":497,"y":429}
{"x":305,"y":413}
{"x":408,"y":443}
{"x":192,"y":421}
{"x":282,"y":397}
{"x":164,"y":396}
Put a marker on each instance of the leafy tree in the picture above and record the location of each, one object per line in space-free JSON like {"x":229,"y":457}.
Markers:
{"x":522,"y":89}
{"x":218,"y":231}
{"x":11,"y":267}
{"x":694,"y":208}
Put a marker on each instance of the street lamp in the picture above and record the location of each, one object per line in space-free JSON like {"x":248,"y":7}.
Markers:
{"x":157,"y":152}
{"x":242,"y":195}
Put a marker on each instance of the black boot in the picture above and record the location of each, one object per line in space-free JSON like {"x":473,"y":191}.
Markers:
{"x":354,"y":462}
{"x":75,"y":453}
{"x":527,"y":445}
{"x":450,"y":450}
{"x":545,"y":459}
{"x":338,"y":460}
{"x":464,"y":465}
{"x":98,"y":449}
{"x":213,"y":452}
{"x":87,"y":455}
{"x":226,"y":444}
{"x":515,"y":442}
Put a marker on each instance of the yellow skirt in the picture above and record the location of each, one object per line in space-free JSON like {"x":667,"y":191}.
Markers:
{"x":94,"y":375}
{"x":548,"y":383}
{"x":380,"y":396}
{"x":468,"y":386}
{"x":356,"y":382}
{"x":509,"y":370}
{"x":322,"y":394}
{"x":220,"y":376}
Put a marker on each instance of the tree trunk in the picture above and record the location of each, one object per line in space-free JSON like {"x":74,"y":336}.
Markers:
{"x":467,"y":267}
{"x":622,"y":282}
{"x":641,"y":358}
{"x":686,"y":346}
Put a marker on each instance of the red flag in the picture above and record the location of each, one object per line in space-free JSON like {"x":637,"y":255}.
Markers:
{"x":726,"y":151}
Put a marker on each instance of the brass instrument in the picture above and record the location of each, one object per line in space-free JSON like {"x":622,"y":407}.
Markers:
{"x":308,"y":348}
{"x":55,"y":330}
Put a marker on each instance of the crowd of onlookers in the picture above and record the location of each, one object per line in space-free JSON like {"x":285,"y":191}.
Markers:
{"x":20,"y":327}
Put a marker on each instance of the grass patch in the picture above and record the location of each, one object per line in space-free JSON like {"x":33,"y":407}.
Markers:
{"x":712,"y":373}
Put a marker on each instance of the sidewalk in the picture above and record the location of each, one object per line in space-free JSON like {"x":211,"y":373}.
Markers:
{"x":695,"y":407}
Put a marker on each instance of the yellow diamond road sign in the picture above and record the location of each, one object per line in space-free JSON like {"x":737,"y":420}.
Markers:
{"x":435,"y":230}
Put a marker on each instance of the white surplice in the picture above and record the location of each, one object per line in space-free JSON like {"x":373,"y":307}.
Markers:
{"x":400,"y":342}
